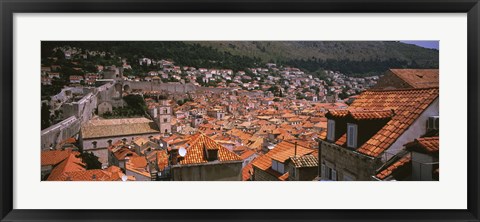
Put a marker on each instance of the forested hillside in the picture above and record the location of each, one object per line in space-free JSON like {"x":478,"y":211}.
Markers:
{"x":349,"y":57}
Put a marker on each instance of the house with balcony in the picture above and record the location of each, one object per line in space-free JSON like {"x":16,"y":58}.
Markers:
{"x":418,"y":162}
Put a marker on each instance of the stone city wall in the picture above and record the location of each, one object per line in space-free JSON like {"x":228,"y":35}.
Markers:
{"x":59,"y":132}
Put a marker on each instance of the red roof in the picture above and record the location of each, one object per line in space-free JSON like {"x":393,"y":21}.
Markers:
{"x":70,"y":164}
{"x":418,"y":78}
{"x":246,"y":154}
{"x":425,"y":144}
{"x":122,"y":152}
{"x":338,"y":113}
{"x":407,"y":106}
{"x":361,"y":114}
{"x":112,"y":173}
{"x":247,"y":171}
{"x":196,"y":154}
{"x":281,"y":152}
{"x":395,"y":166}
{"x":93,"y":175}
{"x":371,"y":114}
{"x":53,"y":157}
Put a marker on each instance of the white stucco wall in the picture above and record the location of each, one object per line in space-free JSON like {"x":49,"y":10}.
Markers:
{"x":417,"y":129}
{"x":422,"y":166}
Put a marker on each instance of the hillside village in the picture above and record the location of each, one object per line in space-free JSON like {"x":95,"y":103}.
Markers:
{"x":102,"y":121}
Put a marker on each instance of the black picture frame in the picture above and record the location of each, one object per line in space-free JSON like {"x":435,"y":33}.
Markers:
{"x":9,"y":7}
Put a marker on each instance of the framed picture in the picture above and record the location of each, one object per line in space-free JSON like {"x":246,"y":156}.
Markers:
{"x":250,"y":111}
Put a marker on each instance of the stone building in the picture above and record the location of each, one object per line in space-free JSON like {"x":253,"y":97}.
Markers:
{"x":216,"y":113}
{"x":164,"y":117}
{"x":104,"y":107}
{"x":205,"y":160}
{"x":97,"y":135}
{"x":360,"y":139}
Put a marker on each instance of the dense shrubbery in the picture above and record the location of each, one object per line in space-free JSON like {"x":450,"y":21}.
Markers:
{"x":135,"y":107}
{"x":356,"y":68}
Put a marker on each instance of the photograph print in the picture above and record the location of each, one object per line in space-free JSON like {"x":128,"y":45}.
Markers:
{"x":239,"y":111}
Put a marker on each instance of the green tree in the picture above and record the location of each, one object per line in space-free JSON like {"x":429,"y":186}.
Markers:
{"x":45,"y":116}
{"x":136,"y":103}
{"x":90,"y":160}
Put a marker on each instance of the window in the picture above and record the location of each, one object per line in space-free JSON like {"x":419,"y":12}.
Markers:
{"x":328,"y":173}
{"x":352,"y":135}
{"x":165,"y":120}
{"x":280,"y":168}
{"x":331,"y":130}
{"x":274,"y":165}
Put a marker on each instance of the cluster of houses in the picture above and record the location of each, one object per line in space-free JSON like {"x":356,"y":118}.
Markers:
{"x":387,"y":128}
{"x":389,"y":132}
{"x":77,"y":57}
{"x":292,"y":82}
{"x":341,"y":83}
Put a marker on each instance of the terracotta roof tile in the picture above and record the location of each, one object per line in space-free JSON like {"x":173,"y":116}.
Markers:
{"x":338,"y":113}
{"x":118,"y":127}
{"x":305,"y":161}
{"x":323,"y":135}
{"x":53,"y":157}
{"x":283,"y":177}
{"x":246,"y":154}
{"x":196,"y":154}
{"x":342,"y":140}
{"x":94,"y":175}
{"x":394,"y":166}
{"x":281,"y":152}
{"x":418,"y":78}
{"x":426,"y":144}
{"x":112,"y":173}
{"x":70,"y":164}
{"x":138,"y":161}
{"x":415,"y":102}
{"x":247,"y":171}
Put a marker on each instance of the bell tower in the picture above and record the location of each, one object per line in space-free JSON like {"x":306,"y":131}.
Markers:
{"x":164,"y":116}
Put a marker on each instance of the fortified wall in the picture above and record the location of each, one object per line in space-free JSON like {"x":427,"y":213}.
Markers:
{"x":59,"y":132}
{"x":155,"y":86}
